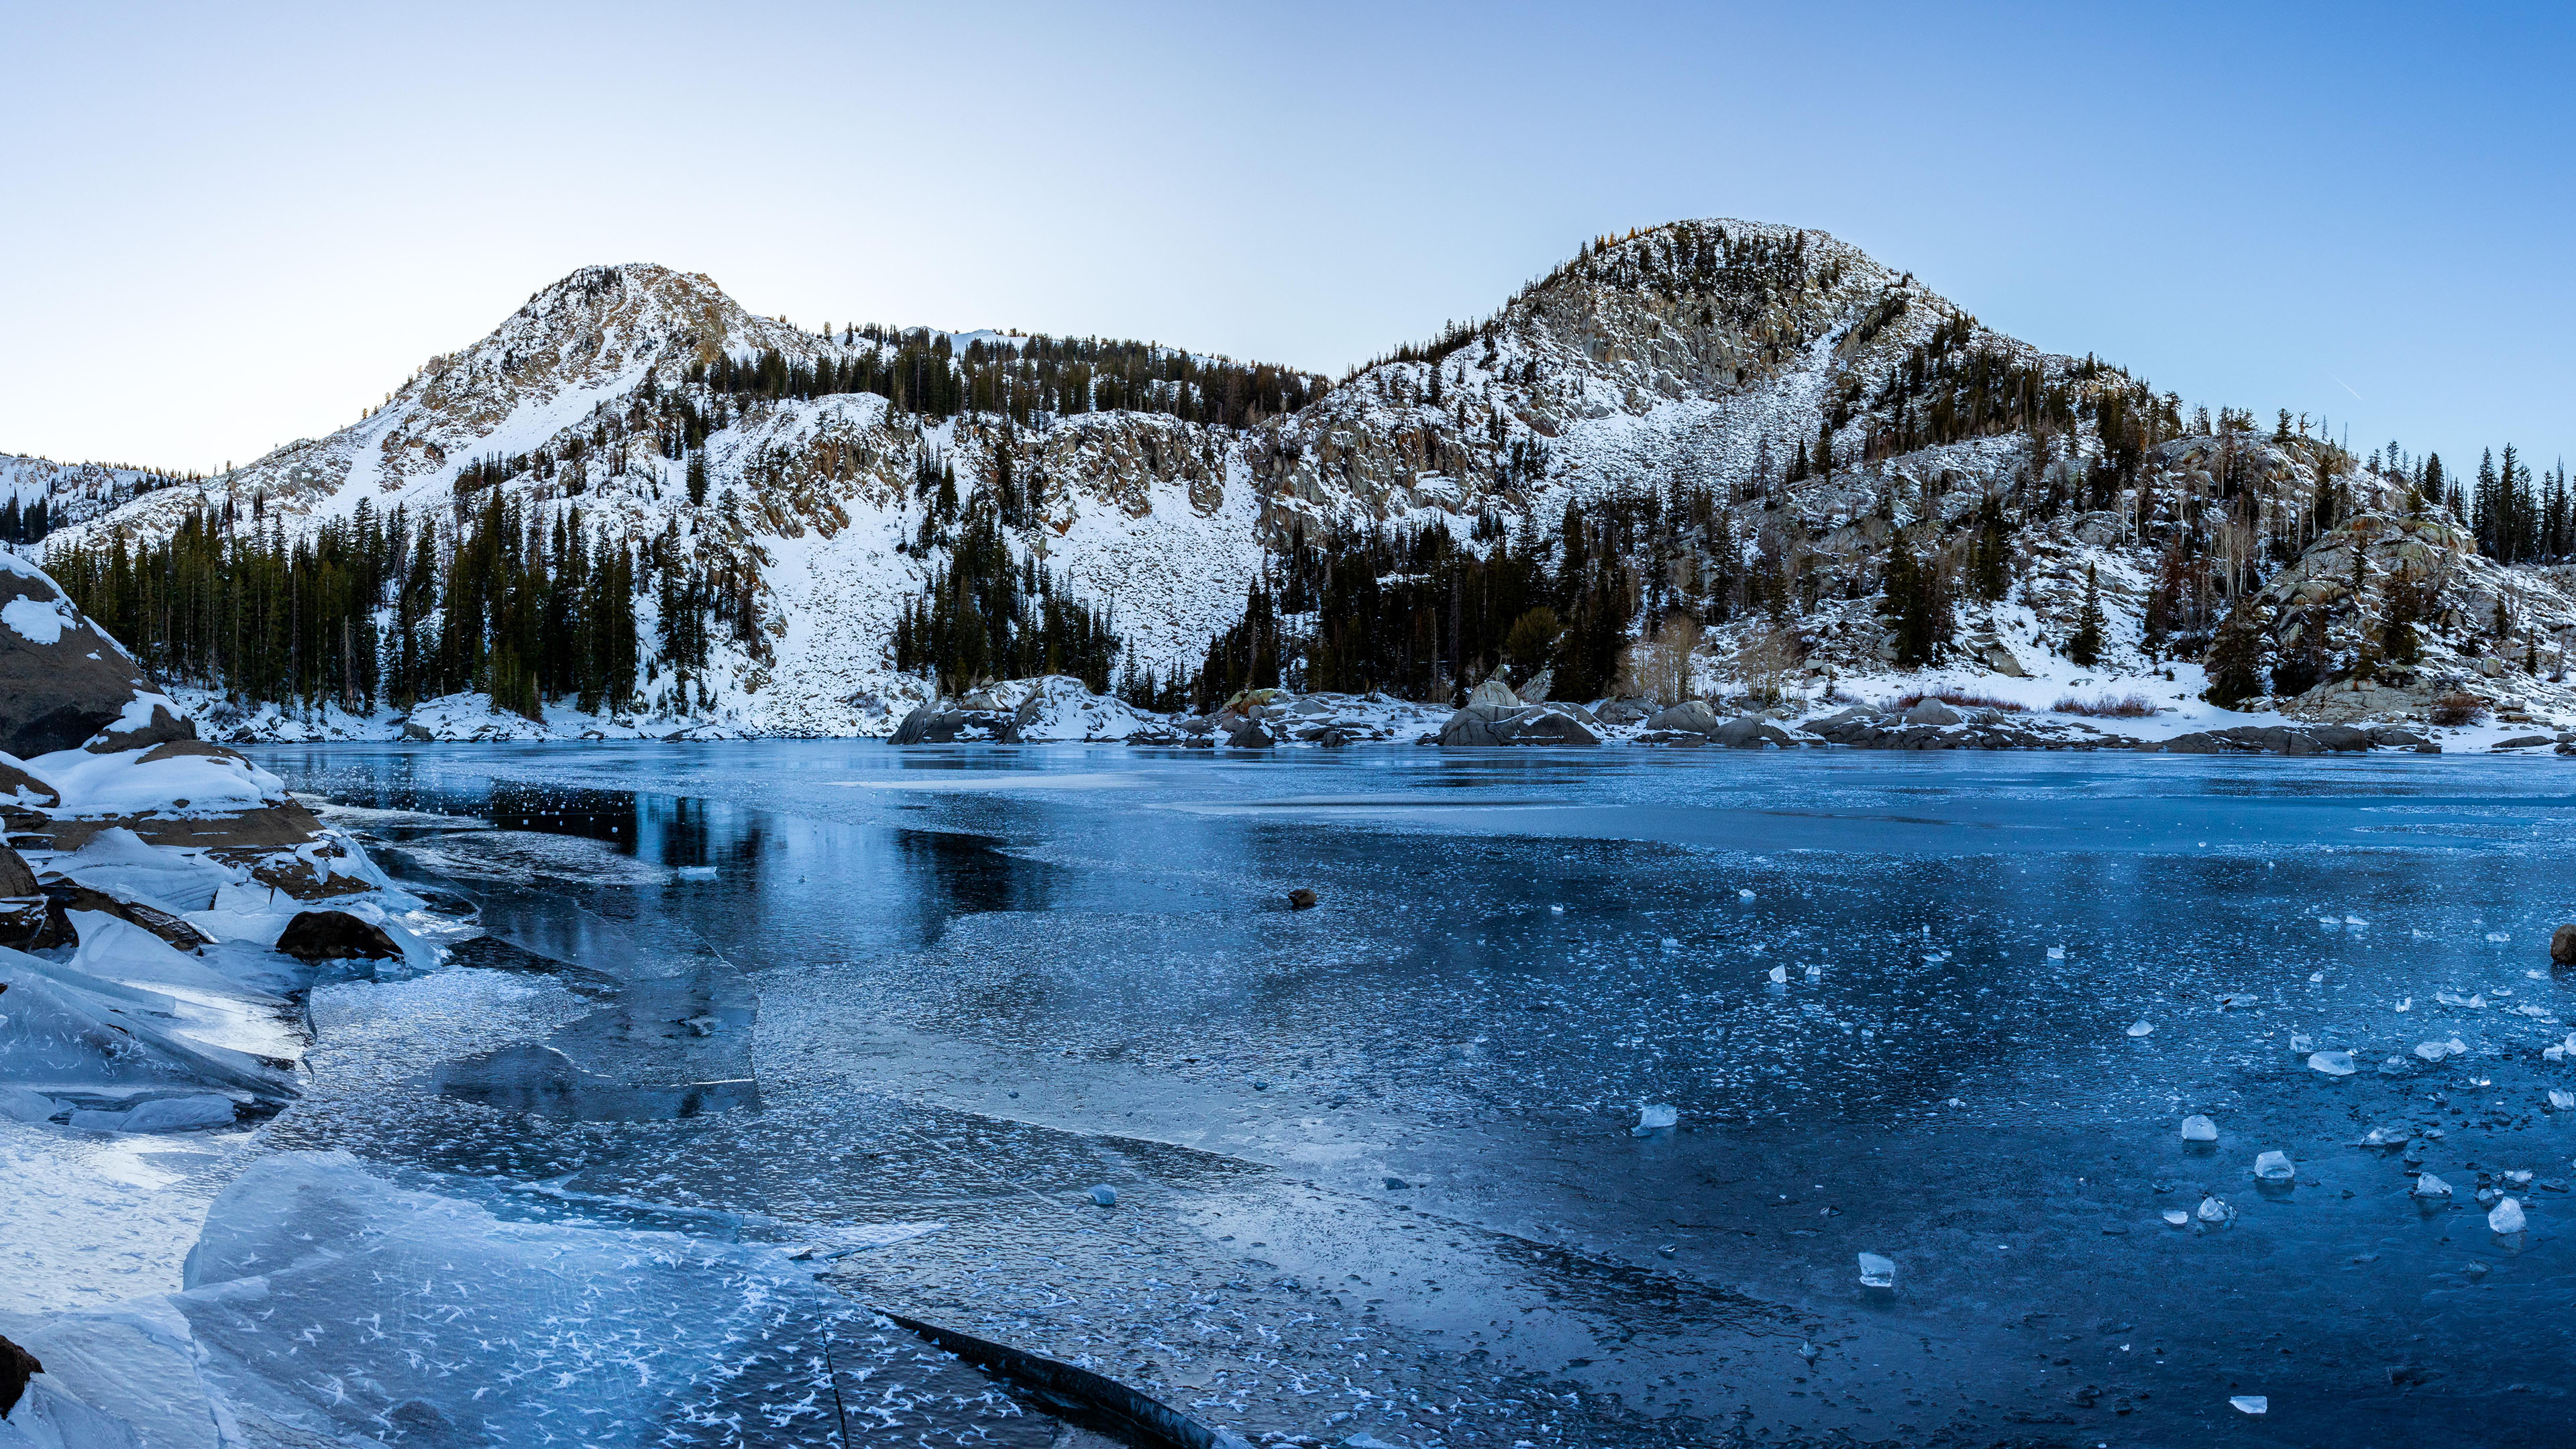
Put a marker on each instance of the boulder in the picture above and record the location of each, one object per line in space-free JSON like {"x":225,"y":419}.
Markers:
{"x":22,"y":901}
{"x":1248,"y":734}
{"x":1627,"y":711}
{"x":2562,"y":946}
{"x":1552,"y":724}
{"x":941,"y":724}
{"x":336,"y":936}
{"x":1492,"y":694}
{"x":1301,"y":899}
{"x":1932,"y":712}
{"x":1692,"y":715}
{"x":1475,"y":725}
{"x":2524,"y":742}
{"x":16,"y":1367}
{"x":1750,"y":732}
{"x":63,"y":682}
{"x":2395,"y":737}
{"x":1533,"y":690}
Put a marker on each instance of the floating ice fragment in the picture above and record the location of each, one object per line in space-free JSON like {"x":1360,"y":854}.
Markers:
{"x":1556,"y":910}
{"x":1655,"y":1116}
{"x":2406,"y":1005}
{"x":2251,"y":1403}
{"x":2215,"y":1210}
{"x":2329,"y":922}
{"x":2314,"y":977}
{"x":1671,"y":945}
{"x":1779,"y":975}
{"x":1815,"y":973}
{"x":2498,"y":937}
{"x":2520,"y":1178}
{"x":1104,"y":1195}
{"x":2562,"y":1101}
{"x":1743,"y":895}
{"x":2177,"y":1216}
{"x":2434,"y":1051}
{"x":2302,"y":1042}
{"x":2333,"y":1064}
{"x":2275,"y":1167}
{"x":2056,"y":953}
{"x":2142,"y":1028}
{"x":696,"y":872}
{"x":1877,"y":1272}
{"x":2355,"y":921}
{"x":2507,"y":1217}
{"x":2427,"y":1185}
{"x":2198,"y":1128}
{"x":2386,"y":1137}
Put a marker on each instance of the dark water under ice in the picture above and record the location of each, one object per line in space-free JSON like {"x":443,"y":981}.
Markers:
{"x":1373,"y":1161}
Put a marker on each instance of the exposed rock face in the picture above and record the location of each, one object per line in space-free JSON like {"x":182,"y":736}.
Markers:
{"x":1492,"y":694}
{"x":2562,"y":946}
{"x":1750,"y":732}
{"x":63,"y":682}
{"x":336,"y":936}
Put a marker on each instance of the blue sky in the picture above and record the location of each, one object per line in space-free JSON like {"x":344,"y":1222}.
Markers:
{"x":227,"y":229}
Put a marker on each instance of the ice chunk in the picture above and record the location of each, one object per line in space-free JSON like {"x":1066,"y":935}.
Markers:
{"x":2329,"y":922}
{"x":2142,"y":1028}
{"x":1877,"y":1272}
{"x":2251,"y":1404}
{"x":2561,"y":1101}
{"x":1671,"y":946}
{"x":20,"y":1105}
{"x":344,"y":1304}
{"x":2434,"y":1051}
{"x":1655,"y":1117}
{"x":2215,"y":1210}
{"x":2406,"y":1005}
{"x":162,"y":1114}
{"x":2427,"y":1185}
{"x":1744,"y":895}
{"x":2056,"y":953}
{"x":2197,"y":1128}
{"x":1103,"y":1195}
{"x":2333,"y":1064}
{"x":2177,"y":1216}
{"x":1815,"y":973}
{"x":2386,"y":1137}
{"x":1556,"y":910}
{"x":2316,"y":976}
{"x":1779,"y":975}
{"x":2506,"y":1217}
{"x":2355,"y":921}
{"x":2275,"y":1167}
{"x":696,"y":872}
{"x":2498,"y":937}
{"x":2302,"y":1042}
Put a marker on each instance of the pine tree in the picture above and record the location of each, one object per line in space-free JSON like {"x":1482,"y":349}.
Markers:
{"x":2235,"y":659}
{"x":2085,"y":648}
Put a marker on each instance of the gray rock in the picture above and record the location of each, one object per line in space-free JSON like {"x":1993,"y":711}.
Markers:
{"x":1692,"y":715}
{"x":1546,"y":724}
{"x":1474,"y":726}
{"x":1751,"y":732}
{"x":1627,"y":711}
{"x":1250,"y":734}
{"x":1493,"y":694}
{"x":936,"y":724}
{"x":2523,"y":742}
{"x":2395,"y":737}
{"x":2562,"y":945}
{"x":1932,"y":712}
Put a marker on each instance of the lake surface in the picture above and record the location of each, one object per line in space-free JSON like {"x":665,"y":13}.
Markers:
{"x":1373,"y":1162}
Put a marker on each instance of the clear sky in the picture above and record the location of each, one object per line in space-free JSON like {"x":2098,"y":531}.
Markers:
{"x":223,"y":228}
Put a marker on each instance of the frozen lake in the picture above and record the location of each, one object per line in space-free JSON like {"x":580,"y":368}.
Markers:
{"x":1373,"y":1162}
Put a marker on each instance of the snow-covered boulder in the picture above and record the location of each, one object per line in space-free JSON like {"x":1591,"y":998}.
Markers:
{"x":63,"y":682}
{"x":1060,"y":707}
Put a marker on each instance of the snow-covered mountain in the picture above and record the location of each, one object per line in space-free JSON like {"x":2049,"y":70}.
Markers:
{"x":1830,"y":403}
